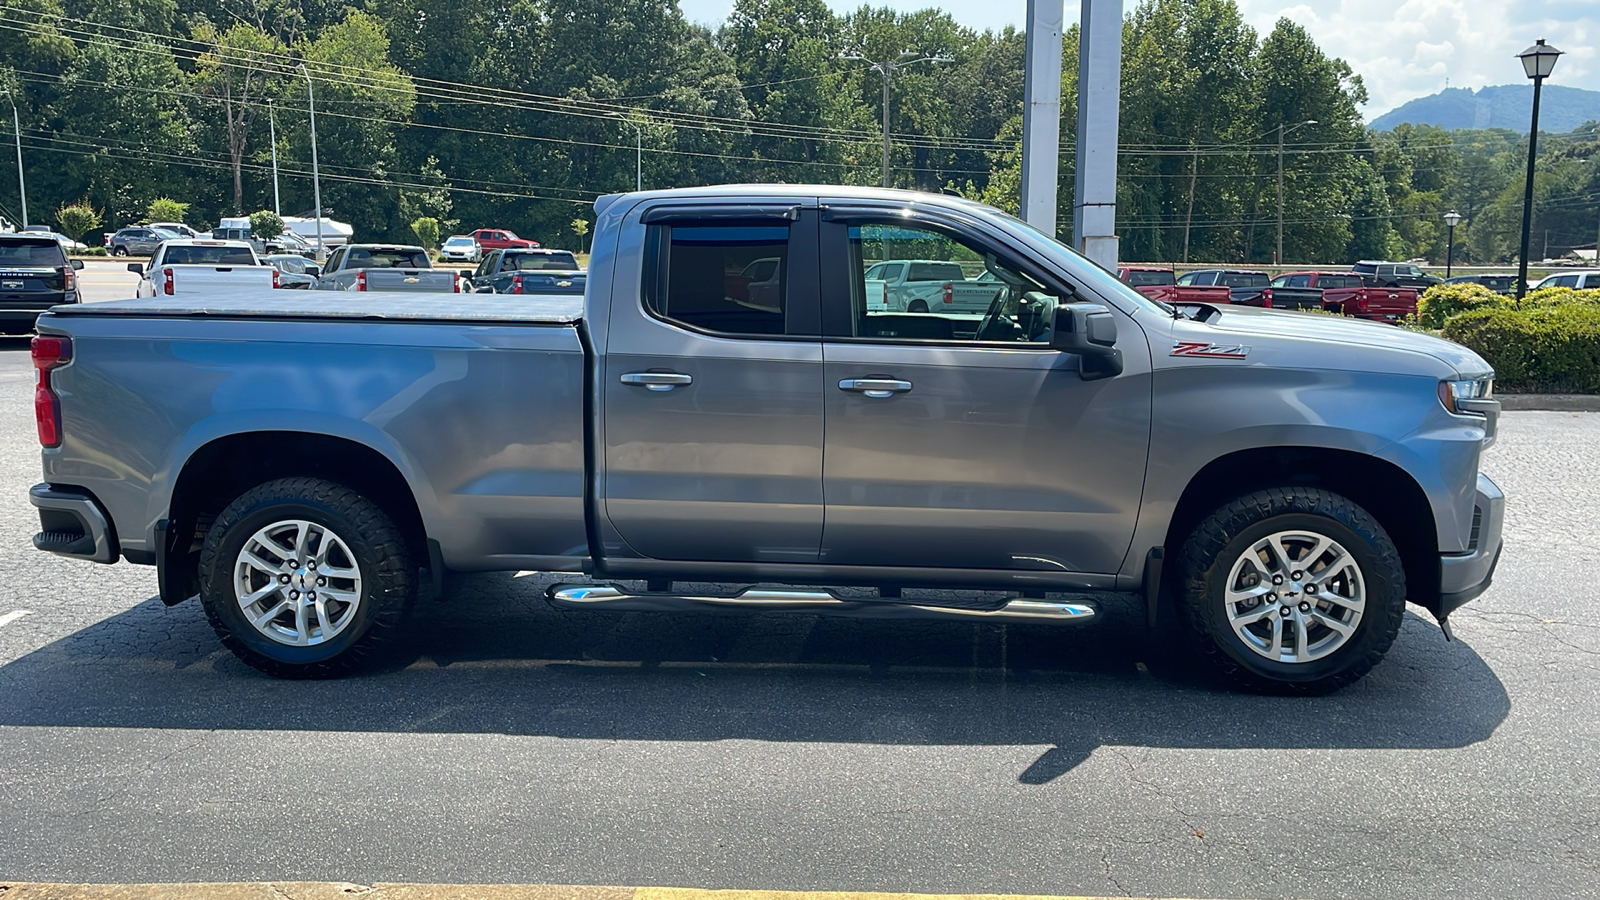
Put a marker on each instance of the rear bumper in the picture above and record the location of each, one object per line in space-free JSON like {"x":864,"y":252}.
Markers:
{"x":73,"y":524}
{"x":1464,"y":576}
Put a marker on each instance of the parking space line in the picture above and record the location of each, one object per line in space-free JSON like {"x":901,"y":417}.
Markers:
{"x":10,"y":617}
{"x":344,"y":891}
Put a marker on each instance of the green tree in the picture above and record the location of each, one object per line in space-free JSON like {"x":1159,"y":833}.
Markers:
{"x":580,"y":227}
{"x":239,"y":70}
{"x":265,"y":224}
{"x":166,"y":209}
{"x":427,"y":231}
{"x":77,"y":219}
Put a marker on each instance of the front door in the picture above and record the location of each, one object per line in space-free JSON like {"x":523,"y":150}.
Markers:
{"x":961,"y":440}
{"x":712,"y":389}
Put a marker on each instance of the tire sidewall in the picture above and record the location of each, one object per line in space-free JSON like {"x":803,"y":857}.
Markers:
{"x":1373,"y":633}
{"x":227,"y":538}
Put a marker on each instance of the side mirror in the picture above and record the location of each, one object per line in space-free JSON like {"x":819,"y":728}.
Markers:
{"x":1090,"y":331}
{"x":77,"y":264}
{"x":136,"y":268}
{"x":314,"y":271}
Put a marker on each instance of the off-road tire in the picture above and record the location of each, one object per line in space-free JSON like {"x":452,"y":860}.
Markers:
{"x":388,"y":576}
{"x":1219,"y":540}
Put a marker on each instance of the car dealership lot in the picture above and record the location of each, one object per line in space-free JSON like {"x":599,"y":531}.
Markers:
{"x":514,"y":743}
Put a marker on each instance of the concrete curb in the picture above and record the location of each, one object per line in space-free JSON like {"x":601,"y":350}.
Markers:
{"x":332,"y":890}
{"x":1549,"y":402}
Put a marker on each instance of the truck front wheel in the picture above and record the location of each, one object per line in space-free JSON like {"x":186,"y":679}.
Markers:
{"x":305,"y":578}
{"x":1293,"y":590}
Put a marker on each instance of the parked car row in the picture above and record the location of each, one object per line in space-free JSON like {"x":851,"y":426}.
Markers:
{"x":1357,"y":293}
{"x":472,"y":247}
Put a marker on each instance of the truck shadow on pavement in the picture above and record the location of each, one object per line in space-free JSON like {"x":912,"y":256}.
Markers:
{"x":491,"y":657}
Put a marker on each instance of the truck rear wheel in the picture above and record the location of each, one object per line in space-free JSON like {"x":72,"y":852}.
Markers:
{"x":1293,"y":590}
{"x":305,"y":578}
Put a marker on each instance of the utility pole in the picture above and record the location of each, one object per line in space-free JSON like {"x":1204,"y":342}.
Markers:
{"x":1194,"y":172}
{"x":887,"y":68}
{"x":316,"y":177}
{"x":272,"y":127}
{"x":1278,"y":259}
{"x":1041,"y":115}
{"x":22,"y":181}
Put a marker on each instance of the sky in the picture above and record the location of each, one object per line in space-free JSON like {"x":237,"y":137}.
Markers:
{"x":1403,"y":49}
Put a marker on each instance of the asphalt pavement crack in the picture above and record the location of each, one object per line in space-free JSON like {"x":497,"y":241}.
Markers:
{"x":1105,"y":861}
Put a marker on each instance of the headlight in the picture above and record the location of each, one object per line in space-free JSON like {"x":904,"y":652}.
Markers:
{"x":1457,"y":396}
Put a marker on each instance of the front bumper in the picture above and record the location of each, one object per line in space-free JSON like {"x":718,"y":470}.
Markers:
{"x":1464,"y":576}
{"x":73,"y":524}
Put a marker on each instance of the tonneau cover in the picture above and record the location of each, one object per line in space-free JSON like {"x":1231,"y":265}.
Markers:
{"x":280,"y":304}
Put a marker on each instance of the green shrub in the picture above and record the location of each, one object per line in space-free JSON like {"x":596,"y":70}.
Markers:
{"x":427,"y":231}
{"x":1561,"y":296}
{"x":266,"y":224}
{"x":77,"y":219}
{"x":90,"y":251}
{"x":1535,"y":349}
{"x":166,"y":209}
{"x":1442,"y":301}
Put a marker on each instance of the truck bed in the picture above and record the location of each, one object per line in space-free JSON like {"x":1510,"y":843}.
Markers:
{"x":270,"y":304}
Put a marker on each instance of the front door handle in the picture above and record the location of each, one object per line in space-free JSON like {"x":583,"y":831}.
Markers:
{"x":657,"y":381}
{"x":875,"y":387}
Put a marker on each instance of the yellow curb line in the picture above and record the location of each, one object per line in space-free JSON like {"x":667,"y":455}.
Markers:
{"x":328,"y":890}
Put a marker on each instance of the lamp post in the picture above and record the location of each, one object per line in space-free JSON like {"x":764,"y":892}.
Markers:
{"x":1538,"y":62}
{"x":22,"y":183}
{"x":272,"y":129}
{"x":1278,"y":260}
{"x":887,"y":68}
{"x":316,"y":177}
{"x":1451,"y":220}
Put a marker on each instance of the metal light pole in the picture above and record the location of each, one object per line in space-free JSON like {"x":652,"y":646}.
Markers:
{"x":887,"y":68}
{"x":1451,"y":220}
{"x":22,"y":182}
{"x":272,"y":127}
{"x":316,"y":177}
{"x":1278,"y":260}
{"x":1538,"y":62}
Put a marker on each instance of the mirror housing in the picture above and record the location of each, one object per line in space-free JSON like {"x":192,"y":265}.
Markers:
{"x":1090,"y":331}
{"x":314,"y":271}
{"x":136,"y":268}
{"x":76,"y":264}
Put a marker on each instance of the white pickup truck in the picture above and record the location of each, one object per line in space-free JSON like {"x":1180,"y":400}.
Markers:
{"x":193,"y":265}
{"x":929,"y":285}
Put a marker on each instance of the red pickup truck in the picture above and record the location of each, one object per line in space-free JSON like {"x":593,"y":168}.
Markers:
{"x":1351,"y":294}
{"x":1161,"y":284}
{"x":501,"y":239}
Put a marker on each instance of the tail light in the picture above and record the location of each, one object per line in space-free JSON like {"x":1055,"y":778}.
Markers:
{"x":949,"y":292}
{"x":49,"y":352}
{"x":1266,"y":298}
{"x":166,"y":282}
{"x":516,"y":284}
{"x":455,"y":285}
{"x":68,"y":279}
{"x":361,"y":279}
{"x":275,"y":278}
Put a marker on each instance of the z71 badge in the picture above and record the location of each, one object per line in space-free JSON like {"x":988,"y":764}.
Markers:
{"x":1209,"y":351}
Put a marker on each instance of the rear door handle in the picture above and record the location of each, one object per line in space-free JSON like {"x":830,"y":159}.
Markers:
{"x":657,"y":381}
{"x":875,"y":387}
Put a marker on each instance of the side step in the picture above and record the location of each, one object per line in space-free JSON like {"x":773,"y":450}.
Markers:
{"x":814,"y":602}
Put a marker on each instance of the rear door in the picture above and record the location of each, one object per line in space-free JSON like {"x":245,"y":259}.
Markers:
{"x":712,"y":393}
{"x":962,"y":441}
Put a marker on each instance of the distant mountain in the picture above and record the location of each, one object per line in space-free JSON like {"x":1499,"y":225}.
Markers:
{"x":1561,"y":109}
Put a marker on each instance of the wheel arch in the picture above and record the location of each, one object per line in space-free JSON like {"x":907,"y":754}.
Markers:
{"x":1380,"y":487}
{"x":227,"y":466}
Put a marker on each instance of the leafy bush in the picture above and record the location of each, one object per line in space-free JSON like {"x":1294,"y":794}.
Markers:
{"x":77,"y":219}
{"x":427,"y":230}
{"x":90,"y":251}
{"x":264,"y":224}
{"x":1442,"y":301}
{"x":166,"y":209}
{"x":1561,"y":296}
{"x":1538,"y":348}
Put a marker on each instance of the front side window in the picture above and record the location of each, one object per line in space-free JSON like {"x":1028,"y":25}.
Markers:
{"x":724,"y":277}
{"x":955,"y":290}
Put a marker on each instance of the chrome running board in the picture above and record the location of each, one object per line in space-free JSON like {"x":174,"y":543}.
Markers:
{"x":815,"y":602}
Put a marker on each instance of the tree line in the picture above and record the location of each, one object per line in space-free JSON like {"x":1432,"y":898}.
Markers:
{"x":518,"y":113}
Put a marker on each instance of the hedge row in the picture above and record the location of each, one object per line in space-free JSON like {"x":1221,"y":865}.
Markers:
{"x":1545,"y":346}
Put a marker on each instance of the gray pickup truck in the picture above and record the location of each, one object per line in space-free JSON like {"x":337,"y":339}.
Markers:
{"x":303,"y":464}
{"x":385,"y":267}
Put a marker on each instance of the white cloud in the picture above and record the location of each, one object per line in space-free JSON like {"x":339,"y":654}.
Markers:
{"x":1402,"y":50}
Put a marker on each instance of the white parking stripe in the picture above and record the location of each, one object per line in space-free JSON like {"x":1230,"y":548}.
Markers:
{"x":10,"y":617}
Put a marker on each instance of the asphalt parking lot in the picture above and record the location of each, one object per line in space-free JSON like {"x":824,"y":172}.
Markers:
{"x":517,"y":744}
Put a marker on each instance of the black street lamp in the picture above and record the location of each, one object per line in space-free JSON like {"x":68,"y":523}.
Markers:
{"x":1538,"y":61}
{"x":1451,"y":220}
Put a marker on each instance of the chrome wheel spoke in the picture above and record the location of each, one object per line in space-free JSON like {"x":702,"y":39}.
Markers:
{"x":257,"y":596}
{"x":260,"y":564}
{"x":261,"y":621}
{"x":1249,"y":616}
{"x":1332,"y":624}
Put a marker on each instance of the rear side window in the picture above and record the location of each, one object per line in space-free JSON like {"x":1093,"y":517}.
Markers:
{"x":723,"y":277}
{"x":1339,"y":281}
{"x":1243,"y":279}
{"x":31,"y":253}
{"x":1145,"y":279}
{"x":1567,"y":281}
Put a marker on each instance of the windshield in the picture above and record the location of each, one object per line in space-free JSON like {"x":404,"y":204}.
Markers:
{"x":1105,"y":283}
{"x":459,"y":242}
{"x":31,"y":253}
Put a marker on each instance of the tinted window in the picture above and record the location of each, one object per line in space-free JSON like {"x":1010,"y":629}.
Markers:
{"x":31,"y":253}
{"x":936,"y":272}
{"x":1299,"y":281}
{"x":1141,"y":279}
{"x":1243,"y":279}
{"x":362,"y":258}
{"x":709,"y":279}
{"x":533,"y":262}
{"x":1339,"y":281}
{"x":1569,"y":281}
{"x":207,"y":256}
